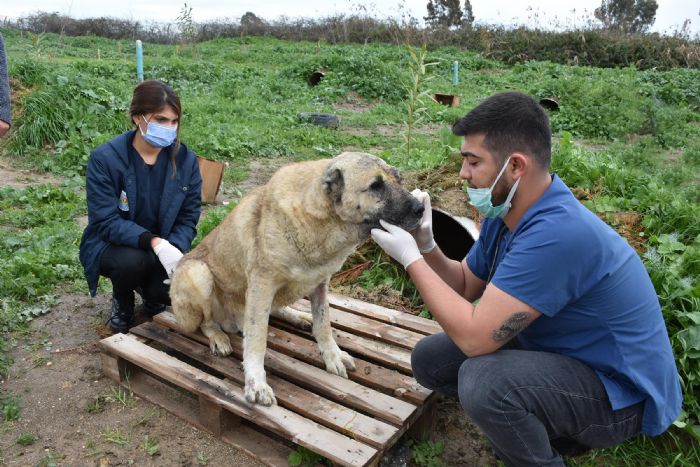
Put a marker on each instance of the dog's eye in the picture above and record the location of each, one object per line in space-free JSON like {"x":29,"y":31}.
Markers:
{"x":377,"y":185}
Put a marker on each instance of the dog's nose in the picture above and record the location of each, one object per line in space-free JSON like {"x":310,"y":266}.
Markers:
{"x":418,"y":209}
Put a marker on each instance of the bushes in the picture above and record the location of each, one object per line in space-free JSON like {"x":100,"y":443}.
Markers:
{"x":593,"y":47}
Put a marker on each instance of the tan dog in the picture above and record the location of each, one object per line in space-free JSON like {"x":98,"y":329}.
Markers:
{"x":283,"y":241}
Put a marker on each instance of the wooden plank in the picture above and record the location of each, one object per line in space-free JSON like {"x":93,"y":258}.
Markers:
{"x":336,"y":447}
{"x":111,"y":367}
{"x":350,"y":393}
{"x":387,"y":315}
{"x":368,"y":327}
{"x":384,"y":354}
{"x":312,"y":406}
{"x":214,"y":418}
{"x":367,"y":373}
{"x":242,"y":437}
{"x":424,"y":424}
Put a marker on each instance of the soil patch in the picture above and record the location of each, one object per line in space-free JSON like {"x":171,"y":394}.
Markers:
{"x":354,"y":103}
{"x":18,"y":178}
{"x":260,"y":172}
{"x":83,"y":418}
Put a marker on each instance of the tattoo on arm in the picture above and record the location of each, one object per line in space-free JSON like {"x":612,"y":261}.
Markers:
{"x":512,"y":326}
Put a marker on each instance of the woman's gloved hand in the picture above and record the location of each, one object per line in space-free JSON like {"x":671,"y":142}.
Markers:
{"x":168,"y":255}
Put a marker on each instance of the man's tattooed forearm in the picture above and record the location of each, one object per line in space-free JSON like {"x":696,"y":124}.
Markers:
{"x":512,"y":326}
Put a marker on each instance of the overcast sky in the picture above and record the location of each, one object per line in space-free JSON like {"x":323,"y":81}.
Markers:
{"x":669,"y":17}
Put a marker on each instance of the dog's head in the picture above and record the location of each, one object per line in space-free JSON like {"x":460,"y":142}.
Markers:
{"x":364,"y":189}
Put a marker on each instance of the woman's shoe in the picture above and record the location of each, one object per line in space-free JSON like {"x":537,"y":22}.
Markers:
{"x":122,"y":316}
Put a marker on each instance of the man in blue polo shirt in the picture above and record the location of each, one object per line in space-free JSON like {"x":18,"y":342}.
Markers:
{"x":567,"y":346}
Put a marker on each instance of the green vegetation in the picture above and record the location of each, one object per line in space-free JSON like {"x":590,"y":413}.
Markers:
{"x":426,"y":453}
{"x":26,"y":439}
{"x":627,"y":142}
{"x":302,"y":457}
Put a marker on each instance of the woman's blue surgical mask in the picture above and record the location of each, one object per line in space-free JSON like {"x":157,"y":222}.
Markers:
{"x":160,"y":136}
{"x":480,"y":198}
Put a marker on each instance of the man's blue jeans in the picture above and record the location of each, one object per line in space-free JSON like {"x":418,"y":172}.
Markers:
{"x":526,"y":401}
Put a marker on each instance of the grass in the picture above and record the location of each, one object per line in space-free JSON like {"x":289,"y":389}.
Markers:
{"x":626,"y":141}
{"x":26,"y":439}
{"x":150,"y":445}
{"x":115,"y":436}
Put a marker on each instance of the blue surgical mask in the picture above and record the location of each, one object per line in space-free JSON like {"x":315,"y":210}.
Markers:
{"x":480,"y":198}
{"x":160,"y":136}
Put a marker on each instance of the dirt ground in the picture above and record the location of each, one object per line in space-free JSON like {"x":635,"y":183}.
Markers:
{"x":81,"y":418}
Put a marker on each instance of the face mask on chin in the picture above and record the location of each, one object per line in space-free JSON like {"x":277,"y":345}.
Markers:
{"x":481,"y":198}
{"x":159,"y":136}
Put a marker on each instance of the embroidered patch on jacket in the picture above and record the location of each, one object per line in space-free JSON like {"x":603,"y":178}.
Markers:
{"x":123,"y":201}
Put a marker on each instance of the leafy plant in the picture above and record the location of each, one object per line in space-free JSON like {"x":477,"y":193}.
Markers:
{"x":10,"y":406}
{"x":419,"y":76}
{"x":26,"y":439}
{"x":426,"y":453}
{"x":202,"y":458}
{"x":188,"y":30}
{"x":302,"y":457}
{"x":150,"y":445}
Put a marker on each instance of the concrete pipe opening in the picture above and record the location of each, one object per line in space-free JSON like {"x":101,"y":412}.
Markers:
{"x":454,"y":235}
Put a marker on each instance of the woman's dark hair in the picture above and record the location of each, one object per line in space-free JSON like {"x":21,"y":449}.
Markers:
{"x":510,"y":122}
{"x":151,"y":96}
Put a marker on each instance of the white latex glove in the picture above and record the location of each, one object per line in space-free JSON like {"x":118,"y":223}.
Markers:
{"x":397,"y":243}
{"x":168,"y":255}
{"x":424,"y":232}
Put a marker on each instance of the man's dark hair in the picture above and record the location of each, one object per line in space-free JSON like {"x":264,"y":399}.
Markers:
{"x":511,"y":122}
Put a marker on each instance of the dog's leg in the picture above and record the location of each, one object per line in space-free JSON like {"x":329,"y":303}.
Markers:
{"x":336,"y":360}
{"x":219,"y":342}
{"x":192,"y":293}
{"x":300,"y":319}
{"x":258,"y":302}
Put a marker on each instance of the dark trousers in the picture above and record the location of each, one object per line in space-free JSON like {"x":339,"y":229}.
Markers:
{"x":131,"y":268}
{"x":526,"y":402}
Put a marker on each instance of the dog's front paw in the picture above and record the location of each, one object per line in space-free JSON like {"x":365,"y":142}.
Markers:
{"x":220,"y":344}
{"x":257,"y":392}
{"x":348,"y":361}
{"x":305,"y":321}
{"x":337,"y":362}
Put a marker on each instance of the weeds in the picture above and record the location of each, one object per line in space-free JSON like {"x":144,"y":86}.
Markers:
{"x":302,"y":457}
{"x":202,"y":458}
{"x":11,"y":408}
{"x":426,"y":453}
{"x":116,"y":436}
{"x":122,"y":396}
{"x":417,"y":93}
{"x":26,"y":439}
{"x":150,"y":445}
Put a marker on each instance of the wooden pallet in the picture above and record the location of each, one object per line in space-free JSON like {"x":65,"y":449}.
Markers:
{"x":351,"y":421}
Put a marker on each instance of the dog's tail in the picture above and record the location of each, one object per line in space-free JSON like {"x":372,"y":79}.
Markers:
{"x":191,"y":294}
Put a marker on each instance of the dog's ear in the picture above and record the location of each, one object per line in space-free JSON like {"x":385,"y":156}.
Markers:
{"x":333,"y":183}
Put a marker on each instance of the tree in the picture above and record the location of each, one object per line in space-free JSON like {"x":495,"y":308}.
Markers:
{"x":448,"y":13}
{"x":468,"y":17}
{"x":250,"y":23}
{"x":631,"y":16}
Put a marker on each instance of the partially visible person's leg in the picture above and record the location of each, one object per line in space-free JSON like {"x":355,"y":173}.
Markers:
{"x":435,"y":361}
{"x":154,"y":291}
{"x":521,"y":400}
{"x":126,"y":268}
